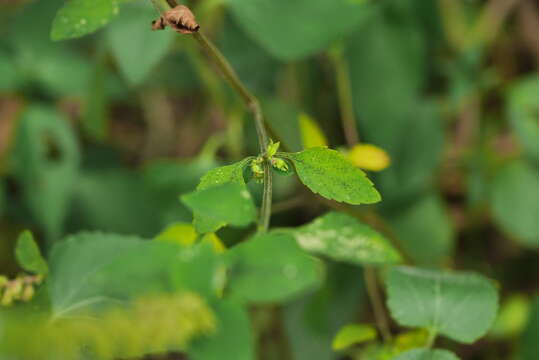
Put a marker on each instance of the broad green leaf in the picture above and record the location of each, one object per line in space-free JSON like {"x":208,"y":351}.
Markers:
{"x":270,"y":268}
{"x":514,"y":198}
{"x":343,"y":238}
{"x":28,"y":254}
{"x":369,"y":157}
{"x":74,"y":262}
{"x":311,"y":134}
{"x":352,"y":335}
{"x":80,"y":17}
{"x":291,"y":30}
{"x":328,"y":173}
{"x":426,"y":354}
{"x":523,"y":113}
{"x":45,"y":163}
{"x":529,"y":346}
{"x":424,"y":230}
{"x":227,"y":203}
{"x":233,"y":340}
{"x":461,"y":306}
{"x":8,"y":73}
{"x":93,"y":270}
{"x":218,"y":176}
{"x":137,"y":58}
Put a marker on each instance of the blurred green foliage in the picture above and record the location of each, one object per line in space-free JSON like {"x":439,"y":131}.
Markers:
{"x":104,"y":133}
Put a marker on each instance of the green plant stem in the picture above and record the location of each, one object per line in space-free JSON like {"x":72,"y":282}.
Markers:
{"x":344,"y":92}
{"x":382,"y":323}
{"x":252,"y":104}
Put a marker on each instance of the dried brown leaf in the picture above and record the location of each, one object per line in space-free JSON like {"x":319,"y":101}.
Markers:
{"x":180,"y":18}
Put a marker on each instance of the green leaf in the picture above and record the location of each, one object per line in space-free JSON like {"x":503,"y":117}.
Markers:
{"x":343,"y":238}
{"x":291,"y":30}
{"x":512,"y":317}
{"x":328,"y":173}
{"x":514,"y":198}
{"x":282,"y":119}
{"x":94,"y":270}
{"x":45,"y":163}
{"x":461,"y":306}
{"x":218,"y":176}
{"x":523,"y":113}
{"x":227,"y":203}
{"x":353,"y":334}
{"x":28,"y":254}
{"x":528,"y":344}
{"x":137,"y":58}
{"x":270,"y":268}
{"x":424,"y":230}
{"x":80,"y":17}
{"x":234,"y":339}
{"x":426,"y":354}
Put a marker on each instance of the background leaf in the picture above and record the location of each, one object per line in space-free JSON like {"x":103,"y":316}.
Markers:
{"x":353,"y":334}
{"x":80,"y":17}
{"x":29,"y":256}
{"x":270,"y":268}
{"x":514,"y":197}
{"x":528,"y":344}
{"x":343,"y":238}
{"x":148,"y":50}
{"x":462,"y":306}
{"x":328,"y":173}
{"x":425,"y":354}
{"x":275,"y":25}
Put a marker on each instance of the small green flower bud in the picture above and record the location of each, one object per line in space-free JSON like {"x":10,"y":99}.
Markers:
{"x":279,"y":164}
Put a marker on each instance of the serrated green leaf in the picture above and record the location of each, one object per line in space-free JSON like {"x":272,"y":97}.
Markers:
{"x":328,"y":173}
{"x":343,"y":238}
{"x":29,"y":256}
{"x":427,"y":354}
{"x":149,"y":48}
{"x":461,"y":306}
{"x":225,"y":174}
{"x":528,"y":343}
{"x":270,"y":268}
{"x":515,"y":199}
{"x":523,"y":112}
{"x":276,"y":26}
{"x":80,"y":17}
{"x":229,"y":203}
{"x":353,"y":334}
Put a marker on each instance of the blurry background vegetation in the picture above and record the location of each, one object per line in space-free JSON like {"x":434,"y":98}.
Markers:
{"x":104,"y":133}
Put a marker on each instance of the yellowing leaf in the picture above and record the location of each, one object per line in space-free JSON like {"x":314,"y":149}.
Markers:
{"x":179,"y":233}
{"x":311,"y":134}
{"x":369,"y":157}
{"x":411,"y":339}
{"x":353,"y":334}
{"x":215,"y":241}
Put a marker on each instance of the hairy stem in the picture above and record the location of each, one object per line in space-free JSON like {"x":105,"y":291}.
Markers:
{"x":377,"y":303}
{"x":252,"y":104}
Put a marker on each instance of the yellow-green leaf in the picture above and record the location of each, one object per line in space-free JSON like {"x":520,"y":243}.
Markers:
{"x":353,"y":334}
{"x":179,"y":233}
{"x":311,"y":134}
{"x":369,"y":157}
